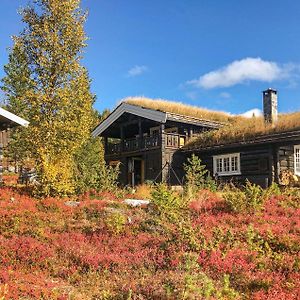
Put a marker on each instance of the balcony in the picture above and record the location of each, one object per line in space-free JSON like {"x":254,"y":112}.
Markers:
{"x":171,"y":141}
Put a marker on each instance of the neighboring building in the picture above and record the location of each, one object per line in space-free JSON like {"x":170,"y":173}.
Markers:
{"x":147,"y":136}
{"x":8,"y":120}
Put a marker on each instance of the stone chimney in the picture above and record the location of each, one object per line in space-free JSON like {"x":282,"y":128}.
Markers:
{"x":270,"y":104}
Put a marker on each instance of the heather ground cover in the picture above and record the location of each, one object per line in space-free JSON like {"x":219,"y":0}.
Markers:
{"x":172,"y":249}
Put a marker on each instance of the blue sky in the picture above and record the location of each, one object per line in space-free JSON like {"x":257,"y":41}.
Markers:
{"x":211,"y":53}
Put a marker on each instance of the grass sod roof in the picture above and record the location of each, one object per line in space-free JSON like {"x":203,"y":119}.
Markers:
{"x":243,"y":130}
{"x":180,"y":109}
{"x":237,"y":129}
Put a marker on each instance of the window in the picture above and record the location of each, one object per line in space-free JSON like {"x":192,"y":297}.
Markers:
{"x":219,"y":162}
{"x":297,"y":159}
{"x":154,"y":130}
{"x":229,"y":164}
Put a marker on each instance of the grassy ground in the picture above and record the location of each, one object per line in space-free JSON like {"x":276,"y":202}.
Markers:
{"x":172,"y":249}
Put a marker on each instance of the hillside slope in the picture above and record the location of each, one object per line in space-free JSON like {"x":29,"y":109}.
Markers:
{"x":102,"y":249}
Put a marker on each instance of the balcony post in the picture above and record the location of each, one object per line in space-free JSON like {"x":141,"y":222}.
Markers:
{"x":162,"y":136}
{"x":190,"y":133}
{"x":140,"y":142}
{"x":105,"y":144}
{"x":164,"y":172}
{"x":122,"y":138}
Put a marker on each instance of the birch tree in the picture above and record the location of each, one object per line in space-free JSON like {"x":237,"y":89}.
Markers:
{"x":58,"y":101}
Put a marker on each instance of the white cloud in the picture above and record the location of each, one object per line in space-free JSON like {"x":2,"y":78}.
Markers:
{"x":252,"y":112}
{"x":136,"y":71}
{"x":241,"y":71}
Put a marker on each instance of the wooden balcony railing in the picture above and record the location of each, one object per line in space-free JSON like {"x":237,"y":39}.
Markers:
{"x":172,"y":140}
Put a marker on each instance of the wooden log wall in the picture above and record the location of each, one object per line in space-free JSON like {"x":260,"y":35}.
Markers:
{"x":153,"y":165}
{"x":257,"y":165}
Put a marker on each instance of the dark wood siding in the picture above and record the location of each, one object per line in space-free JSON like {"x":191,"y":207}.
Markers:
{"x":256,"y":164}
{"x":152,"y":165}
{"x":175,"y":172}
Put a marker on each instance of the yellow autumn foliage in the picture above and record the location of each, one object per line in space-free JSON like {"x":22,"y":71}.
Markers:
{"x":58,"y":101}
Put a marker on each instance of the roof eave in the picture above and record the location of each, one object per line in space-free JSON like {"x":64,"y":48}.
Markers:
{"x":124,"y":107}
{"x":13,"y":119}
{"x":290,"y":136}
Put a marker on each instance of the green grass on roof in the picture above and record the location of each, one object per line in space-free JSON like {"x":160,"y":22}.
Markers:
{"x":241,"y":129}
{"x":180,"y":108}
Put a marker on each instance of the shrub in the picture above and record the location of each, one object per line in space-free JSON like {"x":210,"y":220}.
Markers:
{"x":89,"y":160}
{"x":168,"y":205}
{"x":143,"y":191}
{"x":200,"y":250}
{"x":251,"y":198}
{"x":197,"y":177}
{"x":108,"y":177}
{"x":91,"y":171}
{"x":255,"y":196}
{"x":204,"y":200}
{"x":291,"y":198}
{"x":115,"y":223}
{"x":234,"y":198}
{"x":272,"y":190}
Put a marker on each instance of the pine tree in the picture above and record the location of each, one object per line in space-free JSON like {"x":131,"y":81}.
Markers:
{"x":58,"y":101}
{"x":17,"y":80}
{"x":14,"y":86}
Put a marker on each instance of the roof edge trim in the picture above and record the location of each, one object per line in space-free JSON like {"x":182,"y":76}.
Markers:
{"x":124,"y":107}
{"x":14,"y":118}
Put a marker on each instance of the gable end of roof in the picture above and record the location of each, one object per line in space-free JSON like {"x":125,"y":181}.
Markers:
{"x":150,"y":114}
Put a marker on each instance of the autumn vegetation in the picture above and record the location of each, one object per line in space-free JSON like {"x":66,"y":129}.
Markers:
{"x":71,"y":235}
{"x":47,"y":85}
{"x":212,"y":245}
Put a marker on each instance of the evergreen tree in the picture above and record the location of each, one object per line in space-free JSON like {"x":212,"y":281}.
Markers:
{"x":17,"y":80}
{"x":58,"y":101}
{"x":14,"y":86}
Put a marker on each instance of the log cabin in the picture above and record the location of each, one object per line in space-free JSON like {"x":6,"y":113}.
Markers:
{"x":145,"y":135}
{"x":152,"y":139}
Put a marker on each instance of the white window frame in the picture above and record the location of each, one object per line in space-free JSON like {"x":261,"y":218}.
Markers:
{"x":296,"y":163}
{"x":229,"y":156}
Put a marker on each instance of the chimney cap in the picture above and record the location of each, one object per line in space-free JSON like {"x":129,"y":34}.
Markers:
{"x":270,"y":90}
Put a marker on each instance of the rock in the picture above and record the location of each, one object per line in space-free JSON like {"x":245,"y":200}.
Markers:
{"x":136,"y":202}
{"x":72,"y":203}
